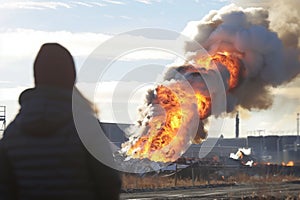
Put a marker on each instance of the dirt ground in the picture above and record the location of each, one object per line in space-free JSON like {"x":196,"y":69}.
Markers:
{"x":286,"y":191}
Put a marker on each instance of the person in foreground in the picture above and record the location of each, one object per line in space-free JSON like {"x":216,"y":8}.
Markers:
{"x":41,"y":154}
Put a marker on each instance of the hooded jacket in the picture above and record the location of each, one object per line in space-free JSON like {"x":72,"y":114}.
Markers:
{"x":42,"y":157}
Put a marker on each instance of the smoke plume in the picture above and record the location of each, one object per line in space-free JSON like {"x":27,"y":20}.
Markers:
{"x":268,"y":42}
{"x":253,"y":50}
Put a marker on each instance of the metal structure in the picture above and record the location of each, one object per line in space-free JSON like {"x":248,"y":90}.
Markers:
{"x":298,"y":128}
{"x":2,"y":118}
{"x":261,"y":131}
{"x":237,"y":125}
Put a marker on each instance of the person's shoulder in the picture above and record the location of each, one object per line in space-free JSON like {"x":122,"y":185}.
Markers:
{"x":10,"y":133}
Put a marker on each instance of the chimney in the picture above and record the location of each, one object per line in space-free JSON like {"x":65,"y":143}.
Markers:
{"x":298,"y":128}
{"x":237,"y":125}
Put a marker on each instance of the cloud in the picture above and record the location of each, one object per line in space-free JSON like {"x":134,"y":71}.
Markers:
{"x":24,"y":43}
{"x":11,"y":94}
{"x":114,"y":2}
{"x":117,"y":17}
{"x":117,"y":105}
{"x":18,"y":48}
{"x":148,"y":54}
{"x":131,"y":92}
{"x":21,"y":43}
{"x":147,"y":1}
{"x":98,"y":4}
{"x":37,"y":5}
{"x":83,"y":4}
{"x":125,"y":17}
{"x":34,"y":5}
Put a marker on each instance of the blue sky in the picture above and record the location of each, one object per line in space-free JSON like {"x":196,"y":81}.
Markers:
{"x":103,"y":16}
{"x":83,"y":25}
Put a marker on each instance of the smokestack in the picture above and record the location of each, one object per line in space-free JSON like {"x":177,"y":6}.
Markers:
{"x":237,"y":125}
{"x":297,"y":128}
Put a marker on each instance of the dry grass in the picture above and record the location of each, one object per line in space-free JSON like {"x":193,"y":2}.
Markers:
{"x":153,"y":182}
{"x":132,"y":181}
{"x":244,"y":178}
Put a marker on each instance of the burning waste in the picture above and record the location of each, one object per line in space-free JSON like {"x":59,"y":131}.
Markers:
{"x":251,"y":57}
{"x":243,"y":155}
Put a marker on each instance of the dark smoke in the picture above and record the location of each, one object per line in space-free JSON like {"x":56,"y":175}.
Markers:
{"x":267,"y":40}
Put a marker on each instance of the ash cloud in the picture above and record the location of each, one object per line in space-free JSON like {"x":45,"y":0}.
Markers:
{"x":268,"y":39}
{"x":264,"y":40}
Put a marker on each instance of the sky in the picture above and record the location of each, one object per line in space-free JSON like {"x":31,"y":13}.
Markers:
{"x":82,"y":26}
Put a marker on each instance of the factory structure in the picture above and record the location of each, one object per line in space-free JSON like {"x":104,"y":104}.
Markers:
{"x":2,"y":119}
{"x":264,"y":149}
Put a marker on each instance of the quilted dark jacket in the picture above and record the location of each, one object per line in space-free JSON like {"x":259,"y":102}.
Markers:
{"x":42,"y":157}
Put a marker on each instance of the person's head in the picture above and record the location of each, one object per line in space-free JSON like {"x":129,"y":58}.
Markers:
{"x":54,"y":66}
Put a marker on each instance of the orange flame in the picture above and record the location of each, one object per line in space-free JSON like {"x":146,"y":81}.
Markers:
{"x":204,"y":105}
{"x":163,"y":128}
{"x":161,"y":141}
{"x":290,"y":164}
{"x":232,"y":64}
{"x":229,"y":60}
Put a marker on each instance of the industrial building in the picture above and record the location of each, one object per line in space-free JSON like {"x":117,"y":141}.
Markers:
{"x":264,"y":149}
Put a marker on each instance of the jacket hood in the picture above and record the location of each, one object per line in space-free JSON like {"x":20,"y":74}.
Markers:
{"x":44,"y":110}
{"x":54,"y":66}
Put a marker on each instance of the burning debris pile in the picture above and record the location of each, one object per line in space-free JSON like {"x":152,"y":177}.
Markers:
{"x":243,"y":155}
{"x":245,"y":50}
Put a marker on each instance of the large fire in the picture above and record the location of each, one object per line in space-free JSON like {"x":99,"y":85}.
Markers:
{"x":232,"y":64}
{"x":228,"y":60}
{"x":166,"y":135}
